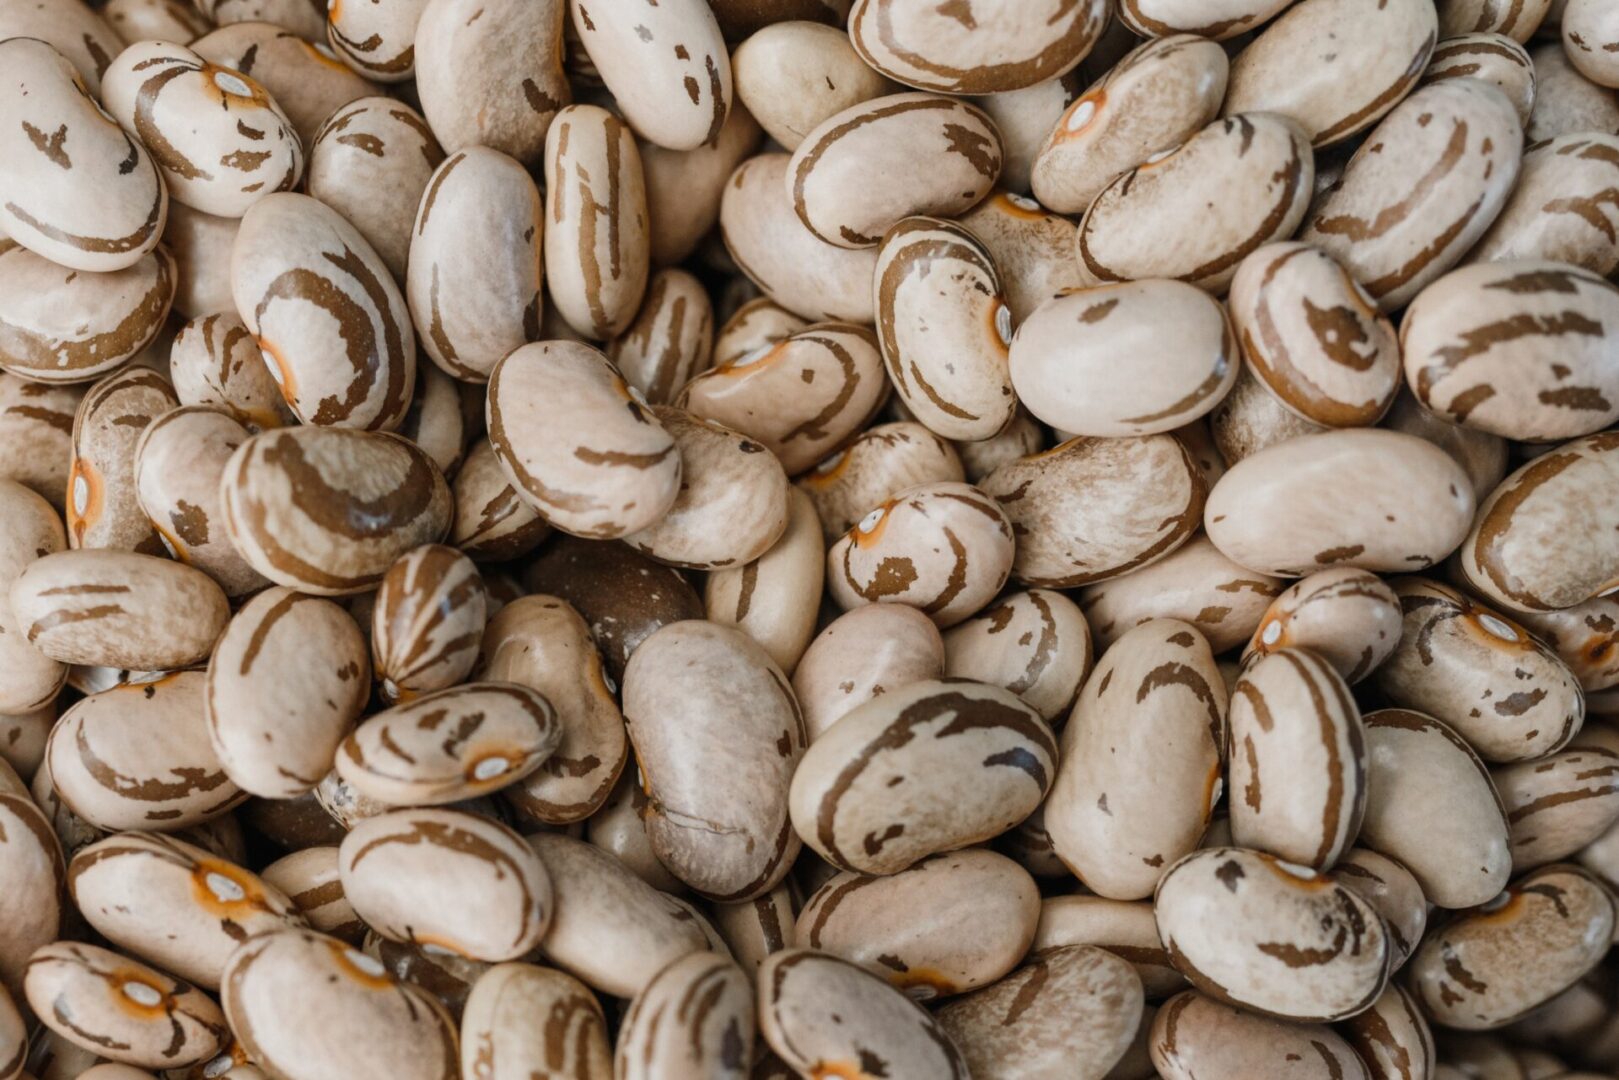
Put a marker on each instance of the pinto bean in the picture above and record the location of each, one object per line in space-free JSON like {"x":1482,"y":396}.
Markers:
{"x":501,"y":1041}
{"x":1194,"y":1034}
{"x":861,"y":655}
{"x":307,"y":83}
{"x":793,"y":75}
{"x":1493,"y":57}
{"x":1032,"y":248}
{"x":103,"y":505}
{"x":1349,"y":618}
{"x":880,"y":462}
{"x":428,"y":620}
{"x":1558,"y":804}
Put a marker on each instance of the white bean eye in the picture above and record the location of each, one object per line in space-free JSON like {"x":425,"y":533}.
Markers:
{"x":1003,"y":324}
{"x":1272,"y":632}
{"x":1022,"y":202}
{"x":1305,"y":872}
{"x":1081,"y":115}
{"x":223,"y":887}
{"x":232,"y":84}
{"x":1496,"y":626}
{"x":141,"y":994}
{"x":869,"y":522}
{"x":81,"y":494}
{"x":370,"y":965}
{"x":489,"y":768}
{"x":752,"y":356}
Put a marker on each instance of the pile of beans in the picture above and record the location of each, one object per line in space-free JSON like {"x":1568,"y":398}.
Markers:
{"x":849,"y":539}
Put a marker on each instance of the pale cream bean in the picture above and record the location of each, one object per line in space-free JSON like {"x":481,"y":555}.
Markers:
{"x":1364,"y":498}
{"x":732,"y":505}
{"x":1195,"y":1035}
{"x":792,"y":75}
{"x":328,"y":510}
{"x":1518,"y":20}
{"x":1125,"y":803}
{"x":306,"y":82}
{"x":1195,"y":584}
{"x":174,"y":904}
{"x":1495,"y":58}
{"x":1349,"y":618}
{"x":491,"y":521}
{"x":694,"y":1019}
{"x":1591,"y":38}
{"x":774,"y":598}
{"x":36,"y":434}
{"x":865,"y":168}
{"x":1032,"y":248}
{"x":667,"y":68}
{"x":122,"y":1009}
{"x":1313,"y":337}
{"x":476,"y":265}
{"x":138,"y":756}
{"x":201,"y":246}
{"x":1219,"y":20}
{"x":215,"y":361}
{"x":447,"y":879}
{"x":625,"y":482}
{"x":827,"y":1015}
{"x":1093,"y":509}
{"x":671,"y":339}
{"x":684,"y":188}
{"x":376,"y":40}
{"x":494,"y":734}
{"x":29,"y":531}
{"x":760,"y":321}
{"x":946,"y":548}
{"x":1183,"y":357}
{"x":717,"y":736}
{"x":1334,"y":66}
{"x":1517,"y":348}
{"x":1431,"y":805}
{"x":32,"y":904}
{"x":977,"y":761}
{"x":1298,"y":788}
{"x":610,"y":929}
{"x":1272,"y":937}
{"x":1392,"y":1038}
{"x":789,"y":263}
{"x":542,"y":643}
{"x":949,"y":924}
{"x":219,"y":140}
{"x":119,"y":609}
{"x":1036,"y":644}
{"x":1567,"y":102}
{"x":1585,"y":637}
{"x":321,"y":304}
{"x":1393,"y":891}
{"x":371,"y":161}
{"x":1494,"y":964}
{"x":944,"y":327}
{"x":761,"y":926}
{"x":1481,"y":455}
{"x":1486,"y":677}
{"x":22,"y":738}
{"x":276,"y":736}
{"x":156,"y":20}
{"x":596,"y":247}
{"x":178,"y":462}
{"x":59,"y":325}
{"x":1558,"y":804}
{"x":427,"y":623}
{"x":1542,"y":541}
{"x":1155,"y":98}
{"x":1421,"y":190}
{"x":999,"y":46}
{"x":295,"y":1000}
{"x":494,"y":80}
{"x":75,"y":187}
{"x":1125,"y":928}
{"x":103,"y":506}
{"x":71,"y":27}
{"x":1068,"y":1012}
{"x":1251,"y":418}
{"x":1153,"y":221}
{"x":501,"y":1041}
{"x":882,"y":461}
{"x":865,"y":653}
{"x":310,"y":878}
{"x":618,"y":829}
{"x":802,"y":397}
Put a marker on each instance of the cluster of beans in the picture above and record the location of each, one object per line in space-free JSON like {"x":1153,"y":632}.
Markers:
{"x":849,"y":539}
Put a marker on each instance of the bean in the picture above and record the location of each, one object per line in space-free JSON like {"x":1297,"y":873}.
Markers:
{"x":500,"y":1041}
{"x":1558,"y":804}
{"x":306,"y":82}
{"x":685,"y":188}
{"x":1349,"y":618}
{"x":1044,"y":655}
{"x":31,"y":859}
{"x":862,"y":654}
{"x":695,"y":1018}
{"x":882,"y":461}
{"x":1493,"y":57}
{"x":1195,"y":1034}
{"x":103,"y":505}
{"x":311,"y":880}
{"x":1392,"y":890}
{"x":770,"y":598}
